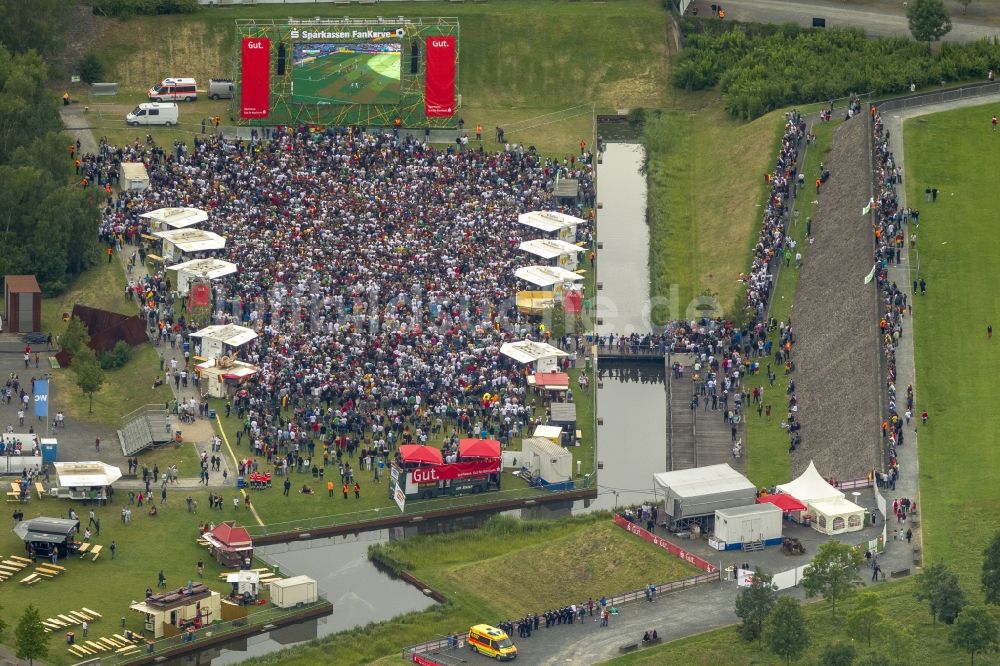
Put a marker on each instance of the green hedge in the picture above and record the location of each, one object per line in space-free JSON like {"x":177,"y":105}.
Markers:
{"x":760,"y":68}
{"x":127,"y":8}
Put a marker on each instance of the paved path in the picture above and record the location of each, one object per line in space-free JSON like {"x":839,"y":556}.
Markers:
{"x":883,"y":20}
{"x":78,"y":127}
{"x":903,"y":275}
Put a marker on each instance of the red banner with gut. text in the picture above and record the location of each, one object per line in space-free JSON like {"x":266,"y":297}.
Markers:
{"x":255,"y":87}
{"x":439,"y":85}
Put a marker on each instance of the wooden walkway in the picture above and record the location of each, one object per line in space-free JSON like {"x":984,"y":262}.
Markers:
{"x":637,"y":354}
{"x":696,"y":437}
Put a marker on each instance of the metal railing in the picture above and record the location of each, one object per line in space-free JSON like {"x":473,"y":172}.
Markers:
{"x":939,"y":96}
{"x":613,"y":601}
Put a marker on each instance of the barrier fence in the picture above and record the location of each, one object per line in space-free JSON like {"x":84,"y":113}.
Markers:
{"x":671,"y":548}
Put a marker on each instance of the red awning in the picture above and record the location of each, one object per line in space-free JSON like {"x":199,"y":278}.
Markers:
{"x":553,"y":379}
{"x":782,"y":501}
{"x":418,"y":453}
{"x":478,"y":448}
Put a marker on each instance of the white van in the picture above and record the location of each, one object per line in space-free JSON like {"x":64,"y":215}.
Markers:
{"x":174,"y":90}
{"x":153,"y":113}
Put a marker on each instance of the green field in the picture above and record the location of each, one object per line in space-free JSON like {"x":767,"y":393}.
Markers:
{"x":347,"y":78}
{"x":957,"y":365}
{"x":574,"y":559}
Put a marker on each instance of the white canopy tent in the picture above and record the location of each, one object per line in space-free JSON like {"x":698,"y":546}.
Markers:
{"x":84,"y":480}
{"x":701,"y":491}
{"x":552,"y":223}
{"x":831,"y":512}
{"x":836,"y":516}
{"x":200,"y":269}
{"x":543,"y":356}
{"x":810,"y":486}
{"x":178,"y":242}
{"x":216,"y":340}
{"x":546,"y":276}
{"x":552,"y":249}
{"x":175,"y":218}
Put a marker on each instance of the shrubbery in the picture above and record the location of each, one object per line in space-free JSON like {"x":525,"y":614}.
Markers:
{"x":763,"y":67}
{"x":126,"y":8}
{"x":115,"y":357}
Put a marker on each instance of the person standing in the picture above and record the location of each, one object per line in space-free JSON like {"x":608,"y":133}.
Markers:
{"x":357,"y":490}
{"x":114,"y":549}
{"x":989,"y":331}
{"x":201,"y":569}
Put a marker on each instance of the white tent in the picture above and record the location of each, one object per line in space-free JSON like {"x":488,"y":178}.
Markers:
{"x":552,"y":463}
{"x":552,"y":223}
{"x":810,"y":486}
{"x":216,"y":339}
{"x":549,"y":432}
{"x":836,"y":516}
{"x":553,"y":249}
{"x":200,"y":269}
{"x":175,"y":218}
{"x":543,"y":355}
{"x":84,"y":480}
{"x":177,"y":242}
{"x":701,"y":491}
{"x":546,"y":276}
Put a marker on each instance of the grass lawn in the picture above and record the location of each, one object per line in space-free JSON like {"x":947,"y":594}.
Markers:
{"x":576,"y":558}
{"x":705,"y":177}
{"x":768,"y":462}
{"x":926,"y":644}
{"x":956,"y":365}
{"x":147,"y":545}
{"x":504,"y":77}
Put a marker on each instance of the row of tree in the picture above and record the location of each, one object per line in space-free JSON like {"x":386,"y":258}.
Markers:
{"x":833,"y":574}
{"x":759,"y":68}
{"x":48,"y":222}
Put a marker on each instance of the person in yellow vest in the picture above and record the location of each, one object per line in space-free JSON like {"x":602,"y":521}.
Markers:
{"x":66,"y":98}
{"x":479,"y":132}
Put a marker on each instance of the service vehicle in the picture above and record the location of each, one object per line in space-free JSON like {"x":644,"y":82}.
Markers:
{"x":220,"y":89}
{"x":153,"y":113}
{"x":174,"y":90}
{"x":491,"y":642}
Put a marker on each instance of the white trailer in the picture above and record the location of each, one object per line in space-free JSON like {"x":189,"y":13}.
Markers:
{"x":294,"y":591}
{"x":748,"y":524}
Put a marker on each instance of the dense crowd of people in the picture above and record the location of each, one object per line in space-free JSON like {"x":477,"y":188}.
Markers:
{"x":378,"y":271}
{"x":889,"y":239}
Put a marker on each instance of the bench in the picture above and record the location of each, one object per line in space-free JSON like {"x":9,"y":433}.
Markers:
{"x":90,"y":612}
{"x":31,"y":579}
{"x":20,"y":559}
{"x":628,"y":647}
{"x":652,"y":641}
{"x":40,"y":489}
{"x":84,"y":547}
{"x":96,"y":552}
{"x":899,"y":573}
{"x":78,"y":651}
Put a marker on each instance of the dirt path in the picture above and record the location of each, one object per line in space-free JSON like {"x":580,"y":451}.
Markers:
{"x":836,"y":353}
{"x":78,"y":126}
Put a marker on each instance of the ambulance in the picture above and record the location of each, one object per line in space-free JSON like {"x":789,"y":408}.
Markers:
{"x":491,"y":642}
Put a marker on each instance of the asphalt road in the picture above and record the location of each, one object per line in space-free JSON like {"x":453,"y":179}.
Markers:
{"x":877,"y":20}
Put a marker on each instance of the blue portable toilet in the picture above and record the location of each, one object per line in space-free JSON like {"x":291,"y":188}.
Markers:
{"x":50,"y":449}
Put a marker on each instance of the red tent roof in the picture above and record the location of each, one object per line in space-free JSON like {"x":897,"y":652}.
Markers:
{"x":783,"y":502}
{"x":228,"y":534}
{"x":478,"y":448}
{"x":551,"y":379}
{"x":418,"y":453}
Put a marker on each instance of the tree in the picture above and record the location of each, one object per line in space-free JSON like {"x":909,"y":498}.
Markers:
{"x":975,"y":631}
{"x":838,"y":654}
{"x":965,"y":6}
{"x":753,"y":605}
{"x":89,"y":376}
{"x":91,"y":68}
{"x":833,"y":573}
{"x":32,"y":643}
{"x":991,"y":571}
{"x":938,"y":585}
{"x":929,"y":20}
{"x":785,"y":629}
{"x":866,"y":618}
{"x":75,"y":337}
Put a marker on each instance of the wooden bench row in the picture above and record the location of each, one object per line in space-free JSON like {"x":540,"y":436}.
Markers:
{"x":117,"y":642}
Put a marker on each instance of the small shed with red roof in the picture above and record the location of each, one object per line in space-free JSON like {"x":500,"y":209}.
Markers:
{"x":229,"y":544}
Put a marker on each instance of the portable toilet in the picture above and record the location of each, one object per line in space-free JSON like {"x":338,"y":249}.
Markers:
{"x":50,"y":450}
